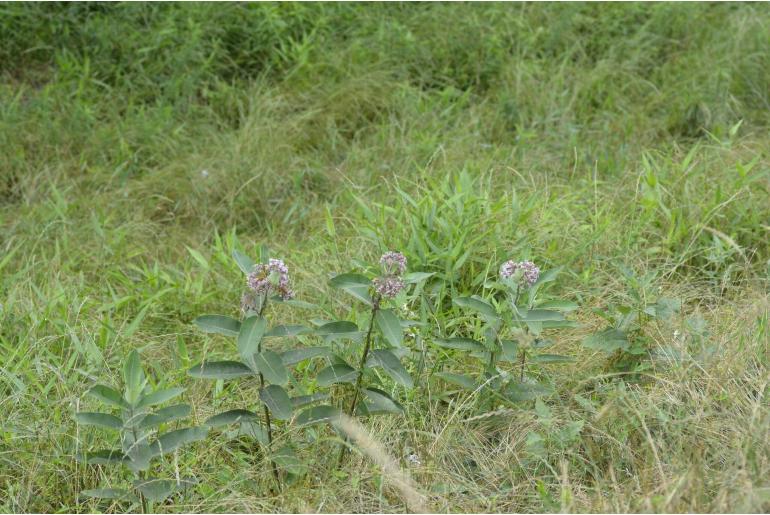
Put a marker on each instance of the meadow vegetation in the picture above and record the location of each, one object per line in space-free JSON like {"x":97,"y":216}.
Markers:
{"x":624,"y":144}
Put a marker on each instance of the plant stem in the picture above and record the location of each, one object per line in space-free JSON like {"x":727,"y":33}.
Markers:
{"x":523,"y":362}
{"x":359,"y":379}
{"x":139,"y":474}
{"x":266,"y":411}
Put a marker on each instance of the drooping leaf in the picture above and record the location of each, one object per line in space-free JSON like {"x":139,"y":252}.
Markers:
{"x":390,"y":326}
{"x":339,"y":330}
{"x":103,"y":457}
{"x":608,"y":340}
{"x":165,"y":415}
{"x":220,"y":324}
{"x":177,"y":438}
{"x":356,"y":285}
{"x":220,"y":370}
{"x":108,"y":396}
{"x":477,"y":304}
{"x":98,"y":419}
{"x":287,"y":460}
{"x":159,"y":397}
{"x":559,"y":305}
{"x":133,"y":376}
{"x":518,"y":392}
{"x":304,"y":400}
{"x":277,"y":401}
{"x":392,"y":366}
{"x":281,"y":331}
{"x":270,"y":365}
{"x":378,"y":401}
{"x":541,"y":315}
{"x":250,"y":336}
{"x":156,"y":490}
{"x":230,"y":417}
{"x":466,"y":344}
{"x":338,"y":373}
{"x":294,"y":356}
{"x":244,"y":262}
{"x":317,"y":415}
{"x":552,"y":358}
{"x":463,"y":381}
{"x":105,"y":493}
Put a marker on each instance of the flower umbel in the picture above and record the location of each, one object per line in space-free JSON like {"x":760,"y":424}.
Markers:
{"x":393,"y":263}
{"x":526,"y":272}
{"x":388,"y":286}
{"x":272,"y":276}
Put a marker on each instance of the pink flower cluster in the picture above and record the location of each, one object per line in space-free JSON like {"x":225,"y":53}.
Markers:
{"x":390,"y":284}
{"x":272,"y":276}
{"x":527,"y":271}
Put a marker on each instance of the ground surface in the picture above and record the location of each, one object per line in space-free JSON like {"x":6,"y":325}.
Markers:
{"x":140,"y":142}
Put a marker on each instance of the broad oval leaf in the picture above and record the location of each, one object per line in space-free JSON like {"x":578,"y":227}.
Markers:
{"x":277,"y":401}
{"x":220,"y":324}
{"x":244,"y":262}
{"x":157,"y":490}
{"x":230,"y":417}
{"x":465,"y":344}
{"x":608,"y":340}
{"x":159,"y":397}
{"x":460,"y":380}
{"x":250,"y":336}
{"x":175,"y":439}
{"x":103,"y":457}
{"x":379,"y":401}
{"x":510,"y":350}
{"x":518,"y":392}
{"x":287,"y":331}
{"x":304,"y":400}
{"x":338,"y":330}
{"x":559,"y":305}
{"x":105,"y":493}
{"x":220,"y":370}
{"x":552,"y":358}
{"x":477,"y":304}
{"x":417,"y":277}
{"x":294,"y":356}
{"x":390,"y":326}
{"x":339,"y":373}
{"x":356,"y":285}
{"x":108,"y":396}
{"x":392,"y":366}
{"x":271,"y":367}
{"x":542,"y":315}
{"x":288,"y":461}
{"x":164,"y":415}
{"x":133,"y":376}
{"x":317,"y":415}
{"x":88,"y":418}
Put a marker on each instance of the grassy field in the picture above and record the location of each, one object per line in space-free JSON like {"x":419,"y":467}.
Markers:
{"x":627,"y":143}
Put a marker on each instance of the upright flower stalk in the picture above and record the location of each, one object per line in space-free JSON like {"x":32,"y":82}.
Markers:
{"x":521,"y":275}
{"x":386,"y":286}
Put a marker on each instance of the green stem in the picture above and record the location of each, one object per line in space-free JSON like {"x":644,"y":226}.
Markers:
{"x":523,"y":362}
{"x":359,"y":379}
{"x":266,"y":411}
{"x":139,"y":474}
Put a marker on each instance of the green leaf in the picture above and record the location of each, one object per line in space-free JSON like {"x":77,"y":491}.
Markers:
{"x":339,"y":330}
{"x":277,"y":401}
{"x":417,"y":277}
{"x":379,"y":401}
{"x":230,"y":417}
{"x":477,"y":304}
{"x":105,"y":493}
{"x":133,"y":376}
{"x":542,"y":315}
{"x":220,"y":370}
{"x":510,"y":350}
{"x":460,"y":380}
{"x":244,"y":262}
{"x":664,"y":308}
{"x":297,"y":303}
{"x":99,"y":419}
{"x":390,"y":326}
{"x":108,"y":396}
{"x":250,"y":336}
{"x":287,"y":331}
{"x":103,"y":457}
{"x":518,"y":392}
{"x":465,"y":344}
{"x":164,"y":415}
{"x":175,"y":439}
{"x":559,"y":305}
{"x":159,"y":397}
{"x":304,"y":400}
{"x":392,"y":366}
{"x":356,"y":285}
{"x":220,"y":324}
{"x":339,"y":373}
{"x":287,"y":460}
{"x":198,"y":257}
{"x":317,"y":415}
{"x":270,"y":365}
{"x":608,"y":340}
{"x":157,"y":490}
{"x":293,"y":356}
{"x":552,"y":358}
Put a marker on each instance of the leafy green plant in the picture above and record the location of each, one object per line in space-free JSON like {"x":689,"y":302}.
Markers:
{"x":382,"y":349}
{"x":625,"y":339}
{"x":512,"y":322}
{"x":267,"y":281}
{"x":142,"y":435}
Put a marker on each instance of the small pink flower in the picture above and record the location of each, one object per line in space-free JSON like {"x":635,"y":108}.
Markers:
{"x":273,"y":276}
{"x":393,"y":263}
{"x":388,"y":286}
{"x":527,"y":271}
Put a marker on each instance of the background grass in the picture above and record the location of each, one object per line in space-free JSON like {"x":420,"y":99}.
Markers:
{"x":588,"y":136}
